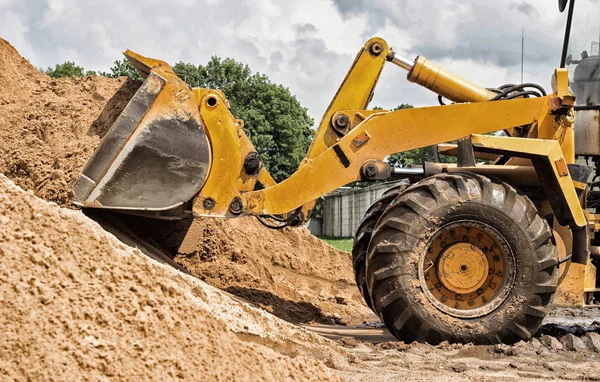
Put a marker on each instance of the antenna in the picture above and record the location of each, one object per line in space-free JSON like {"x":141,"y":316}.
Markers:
{"x":522,"y":50}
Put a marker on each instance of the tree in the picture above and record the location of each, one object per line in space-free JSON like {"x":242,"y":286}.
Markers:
{"x":122,"y":68}
{"x":416,"y":156}
{"x":67,"y":69}
{"x":276,"y":123}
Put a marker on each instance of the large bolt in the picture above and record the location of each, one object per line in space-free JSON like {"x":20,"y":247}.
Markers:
{"x":376,"y":48}
{"x":371,"y":170}
{"x":208,"y":204}
{"x":236,"y":206}
{"x":342,"y":121}
{"x":252,"y":163}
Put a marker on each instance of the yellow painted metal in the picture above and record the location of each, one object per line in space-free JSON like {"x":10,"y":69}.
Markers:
{"x":355,"y":92}
{"x":230,"y":145}
{"x":335,"y":157}
{"x":547,"y":149}
{"x":144,"y":65}
{"x":571,"y":279}
{"x":457,"y":271}
{"x":447,"y":84}
{"x":223,"y":131}
{"x":462,"y":268}
{"x":390,"y":132}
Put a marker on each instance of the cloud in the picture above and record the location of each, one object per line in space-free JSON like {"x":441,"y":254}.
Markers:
{"x":307,"y":46}
{"x":525,"y":8}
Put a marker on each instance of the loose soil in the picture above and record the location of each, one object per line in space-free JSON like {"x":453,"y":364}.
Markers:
{"x":78,"y":303}
{"x":288,"y":272}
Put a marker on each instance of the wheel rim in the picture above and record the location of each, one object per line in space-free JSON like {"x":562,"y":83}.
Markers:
{"x":467,"y":269}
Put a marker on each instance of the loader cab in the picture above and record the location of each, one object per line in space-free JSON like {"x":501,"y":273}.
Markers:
{"x":581,"y":56}
{"x":582,"y":52}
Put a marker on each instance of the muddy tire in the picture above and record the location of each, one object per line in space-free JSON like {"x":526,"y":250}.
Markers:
{"x":462,"y":258}
{"x":363,"y":237}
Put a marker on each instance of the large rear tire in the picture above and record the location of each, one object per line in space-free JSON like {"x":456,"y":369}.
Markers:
{"x":363,"y":237}
{"x":462,"y":258}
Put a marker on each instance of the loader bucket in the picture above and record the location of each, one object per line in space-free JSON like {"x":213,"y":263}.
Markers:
{"x":156,"y":155}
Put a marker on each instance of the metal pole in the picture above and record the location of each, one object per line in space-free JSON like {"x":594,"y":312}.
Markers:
{"x":522,"y":51}
{"x":402,"y":62}
{"x":563,"y":57}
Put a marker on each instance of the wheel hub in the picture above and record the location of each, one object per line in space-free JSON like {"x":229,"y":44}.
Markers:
{"x":463,"y":269}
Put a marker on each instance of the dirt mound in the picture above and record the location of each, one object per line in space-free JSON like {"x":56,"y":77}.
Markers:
{"x":78,"y":303}
{"x":49,"y":127}
{"x":288,"y":272}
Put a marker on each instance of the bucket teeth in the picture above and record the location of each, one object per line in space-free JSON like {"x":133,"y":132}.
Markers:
{"x":143,"y":65}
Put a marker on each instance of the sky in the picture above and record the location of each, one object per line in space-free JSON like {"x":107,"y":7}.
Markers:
{"x":307,"y":45}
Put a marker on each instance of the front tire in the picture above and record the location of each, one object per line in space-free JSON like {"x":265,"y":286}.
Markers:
{"x":363,"y":237}
{"x":462,"y":258}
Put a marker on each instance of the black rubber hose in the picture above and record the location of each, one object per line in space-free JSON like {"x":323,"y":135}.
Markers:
{"x":272,"y":226}
{"x":512,"y":89}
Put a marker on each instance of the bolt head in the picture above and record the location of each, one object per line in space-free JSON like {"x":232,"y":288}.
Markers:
{"x":342,"y":120}
{"x":208,"y":203}
{"x":376,"y":48}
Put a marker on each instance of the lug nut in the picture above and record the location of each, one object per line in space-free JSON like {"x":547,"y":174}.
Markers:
{"x":444,"y":298}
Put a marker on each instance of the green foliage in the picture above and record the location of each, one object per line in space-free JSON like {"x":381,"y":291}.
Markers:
{"x":66,"y":69}
{"x":122,"y":68}
{"x":276,"y":123}
{"x":343,"y":244}
{"x":416,"y":156}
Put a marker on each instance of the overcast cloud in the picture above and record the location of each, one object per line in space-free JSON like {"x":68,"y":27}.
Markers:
{"x":305,"y":45}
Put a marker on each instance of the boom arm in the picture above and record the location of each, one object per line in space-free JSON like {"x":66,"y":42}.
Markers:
{"x":156,"y":156}
{"x":350,"y":139}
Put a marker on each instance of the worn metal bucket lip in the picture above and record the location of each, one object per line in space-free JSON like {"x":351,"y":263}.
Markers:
{"x":99,"y":206}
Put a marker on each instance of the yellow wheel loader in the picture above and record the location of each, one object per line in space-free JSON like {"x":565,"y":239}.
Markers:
{"x":474,"y":251}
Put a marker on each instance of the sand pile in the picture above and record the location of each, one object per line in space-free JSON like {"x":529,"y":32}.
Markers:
{"x":48,"y":130}
{"x":288,"y":272}
{"x":77,"y":303}
{"x":49,"y":127}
